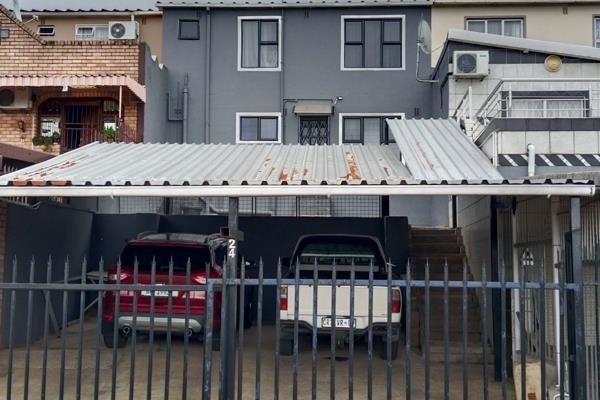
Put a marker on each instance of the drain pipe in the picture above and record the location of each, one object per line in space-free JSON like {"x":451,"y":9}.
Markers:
{"x":207,"y":79}
{"x":186,"y":97}
{"x":530,"y":160}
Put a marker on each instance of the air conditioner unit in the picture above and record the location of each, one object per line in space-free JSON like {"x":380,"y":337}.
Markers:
{"x":119,"y":30}
{"x":15,"y":98}
{"x":471,"y":64}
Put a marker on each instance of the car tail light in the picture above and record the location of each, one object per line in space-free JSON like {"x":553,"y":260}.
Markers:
{"x":199,"y":279}
{"x":396,"y":301}
{"x":113,"y":277}
{"x":283,"y":299}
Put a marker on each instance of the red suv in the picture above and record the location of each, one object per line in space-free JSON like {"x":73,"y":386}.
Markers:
{"x":163,"y":248}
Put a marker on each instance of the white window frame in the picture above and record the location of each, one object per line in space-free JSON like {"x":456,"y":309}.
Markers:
{"x":341,"y":117}
{"x":279,"y":42}
{"x":46,"y":26}
{"x":93,"y":26}
{"x":596,"y":39}
{"x":238,"y":117}
{"x":502,"y":22}
{"x":343,"y":33}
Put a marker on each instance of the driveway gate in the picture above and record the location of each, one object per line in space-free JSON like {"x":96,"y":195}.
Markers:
{"x":54,"y":349}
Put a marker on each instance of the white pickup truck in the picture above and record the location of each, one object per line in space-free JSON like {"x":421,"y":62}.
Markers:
{"x":346,"y":250}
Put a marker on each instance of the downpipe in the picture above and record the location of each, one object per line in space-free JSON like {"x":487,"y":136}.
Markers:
{"x":530,"y":160}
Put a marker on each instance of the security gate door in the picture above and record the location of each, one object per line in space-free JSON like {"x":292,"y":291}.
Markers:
{"x":314,"y":130}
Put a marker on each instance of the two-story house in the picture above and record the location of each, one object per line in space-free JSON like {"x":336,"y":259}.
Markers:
{"x":573,"y":22}
{"x":91,"y":19}
{"x":57,"y":95}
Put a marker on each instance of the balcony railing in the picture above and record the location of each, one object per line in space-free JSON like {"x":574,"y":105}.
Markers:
{"x":77,"y":136}
{"x":529,"y":98}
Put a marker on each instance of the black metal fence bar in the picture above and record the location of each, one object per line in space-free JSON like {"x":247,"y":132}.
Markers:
{"x":378,"y":379}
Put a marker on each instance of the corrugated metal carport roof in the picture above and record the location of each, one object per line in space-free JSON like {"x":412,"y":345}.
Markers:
{"x":438,"y":150}
{"x":180,"y":170}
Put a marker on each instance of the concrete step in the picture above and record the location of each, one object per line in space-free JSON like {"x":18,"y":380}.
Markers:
{"x":427,"y":248}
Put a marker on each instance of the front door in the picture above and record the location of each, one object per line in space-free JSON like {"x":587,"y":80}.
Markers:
{"x":82,"y":124}
{"x":314,"y":130}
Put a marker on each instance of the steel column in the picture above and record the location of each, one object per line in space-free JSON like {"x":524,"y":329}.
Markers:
{"x":576,"y":243}
{"x":230,"y":300}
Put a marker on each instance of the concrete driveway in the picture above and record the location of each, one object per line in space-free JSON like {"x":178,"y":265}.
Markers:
{"x":142,"y":349}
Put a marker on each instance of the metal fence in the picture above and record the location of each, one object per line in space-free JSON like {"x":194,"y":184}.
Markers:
{"x":55,"y":316}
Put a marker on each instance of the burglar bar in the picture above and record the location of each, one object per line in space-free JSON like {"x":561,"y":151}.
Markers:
{"x":399,"y":375}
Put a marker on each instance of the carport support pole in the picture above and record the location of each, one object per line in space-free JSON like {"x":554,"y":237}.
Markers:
{"x":228,"y":347}
{"x":576,"y":243}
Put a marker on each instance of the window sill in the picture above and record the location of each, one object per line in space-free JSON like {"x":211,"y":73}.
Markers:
{"x":240,"y":69}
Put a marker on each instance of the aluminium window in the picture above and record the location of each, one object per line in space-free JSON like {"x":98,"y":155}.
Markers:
{"x":561,"y":104}
{"x":91,"y":32}
{"x":258,"y":127}
{"x":189,"y":29}
{"x":46,"y":30}
{"x":372,"y":42}
{"x":366,"y":129}
{"x":497,"y":26}
{"x":259,"y":44}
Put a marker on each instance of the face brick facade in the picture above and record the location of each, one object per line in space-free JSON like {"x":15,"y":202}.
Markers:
{"x":24,"y":53}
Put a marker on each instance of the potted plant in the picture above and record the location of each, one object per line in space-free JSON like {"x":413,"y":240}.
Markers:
{"x":109,"y":133}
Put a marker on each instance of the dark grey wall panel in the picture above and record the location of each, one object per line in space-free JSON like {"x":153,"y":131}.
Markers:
{"x":51,"y":230}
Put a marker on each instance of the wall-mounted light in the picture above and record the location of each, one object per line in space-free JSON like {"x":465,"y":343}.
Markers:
{"x":21,"y":125}
{"x":65,"y":88}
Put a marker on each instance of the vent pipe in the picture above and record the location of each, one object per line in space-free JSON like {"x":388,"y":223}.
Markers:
{"x":530,"y":160}
{"x":17,"y":10}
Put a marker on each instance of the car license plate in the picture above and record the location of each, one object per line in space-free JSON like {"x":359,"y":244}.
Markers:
{"x":339,"y":322}
{"x":158,"y":293}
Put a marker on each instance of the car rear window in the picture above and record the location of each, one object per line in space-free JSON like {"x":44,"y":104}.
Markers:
{"x":198,"y":256}
{"x":345,"y":251}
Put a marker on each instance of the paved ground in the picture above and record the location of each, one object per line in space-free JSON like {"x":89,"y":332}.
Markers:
{"x":195,"y":371}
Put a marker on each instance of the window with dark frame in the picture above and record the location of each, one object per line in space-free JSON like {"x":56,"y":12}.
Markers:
{"x":259,"y":129}
{"x":259,"y":43}
{"x":46,"y":30}
{"x":366,"y":130}
{"x":373,"y":43}
{"x":189,"y":29}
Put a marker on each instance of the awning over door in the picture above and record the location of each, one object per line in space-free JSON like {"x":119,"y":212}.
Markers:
{"x":308,"y":108}
{"x":236,"y":170}
{"x":438,"y":150}
{"x":73,"y":81}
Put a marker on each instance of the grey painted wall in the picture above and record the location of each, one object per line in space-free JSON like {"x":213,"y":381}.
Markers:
{"x":311,"y":69}
{"x":37,"y":233}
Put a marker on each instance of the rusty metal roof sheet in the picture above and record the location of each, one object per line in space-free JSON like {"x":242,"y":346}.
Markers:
{"x":438,"y":150}
{"x":216,"y":164}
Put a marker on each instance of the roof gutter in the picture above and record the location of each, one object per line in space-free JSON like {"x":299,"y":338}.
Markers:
{"x":91,"y":13}
{"x":578,"y":190}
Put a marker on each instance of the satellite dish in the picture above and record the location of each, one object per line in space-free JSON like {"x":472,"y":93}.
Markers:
{"x":424,"y":36}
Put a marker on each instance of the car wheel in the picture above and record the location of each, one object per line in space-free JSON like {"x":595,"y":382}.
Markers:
{"x":395,"y":344}
{"x":109,"y":340}
{"x":286,"y":347}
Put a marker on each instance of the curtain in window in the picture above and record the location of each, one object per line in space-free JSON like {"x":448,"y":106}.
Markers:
{"x":372,"y":44}
{"x":268,"y":52}
{"x":526,"y":108}
{"x":564,"y":108}
{"x":494,"y":27}
{"x":351,"y":130}
{"x":476,"y":26}
{"x":250,"y":44}
{"x":513,"y":28}
{"x":372,"y":131}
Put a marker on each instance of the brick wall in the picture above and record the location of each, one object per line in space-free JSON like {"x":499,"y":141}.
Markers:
{"x":25,"y":53}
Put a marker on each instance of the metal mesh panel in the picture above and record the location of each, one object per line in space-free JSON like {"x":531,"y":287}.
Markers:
{"x":289,"y":206}
{"x":135,"y":205}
